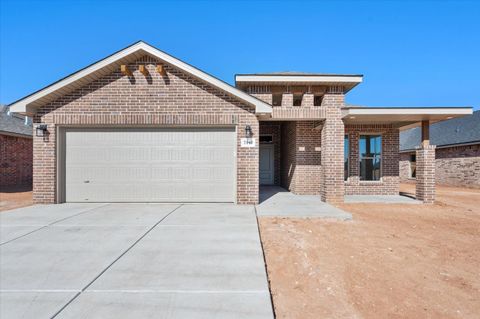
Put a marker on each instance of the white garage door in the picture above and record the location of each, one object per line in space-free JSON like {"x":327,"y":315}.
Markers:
{"x":150,"y":165}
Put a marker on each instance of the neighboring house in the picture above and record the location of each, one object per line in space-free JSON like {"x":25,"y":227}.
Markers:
{"x":457,"y":157}
{"x":143,"y":126}
{"x":16,"y":144}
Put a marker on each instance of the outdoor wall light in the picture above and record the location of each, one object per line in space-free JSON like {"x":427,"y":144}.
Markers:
{"x":41,"y":130}
{"x":248,"y":131}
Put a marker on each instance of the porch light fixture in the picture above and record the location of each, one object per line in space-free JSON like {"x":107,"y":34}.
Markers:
{"x":248,"y":131}
{"x":41,"y":130}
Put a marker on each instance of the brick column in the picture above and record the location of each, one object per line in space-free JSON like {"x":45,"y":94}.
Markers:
{"x":287,"y":99}
{"x":425,"y":187}
{"x":307,"y":100}
{"x":332,"y":186}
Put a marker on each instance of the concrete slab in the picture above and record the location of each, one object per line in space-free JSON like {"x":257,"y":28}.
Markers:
{"x":37,"y":305}
{"x":42,"y":215}
{"x":8,"y":233}
{"x":276,"y":201}
{"x":62,"y":257}
{"x":119,"y":305}
{"x":212,"y":214}
{"x":206,"y":258}
{"x":384,"y":199}
{"x":121,"y":215}
{"x":191,"y":265}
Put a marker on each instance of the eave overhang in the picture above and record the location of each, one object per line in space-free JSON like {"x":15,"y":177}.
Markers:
{"x":347,"y":81}
{"x":402,"y":117}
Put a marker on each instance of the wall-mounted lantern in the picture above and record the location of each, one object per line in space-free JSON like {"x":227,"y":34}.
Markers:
{"x":41,"y":130}
{"x":248,"y":131}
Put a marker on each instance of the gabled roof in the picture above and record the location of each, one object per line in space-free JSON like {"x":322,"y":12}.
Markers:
{"x":30,"y":103}
{"x":12,"y":124}
{"x":464,"y":130}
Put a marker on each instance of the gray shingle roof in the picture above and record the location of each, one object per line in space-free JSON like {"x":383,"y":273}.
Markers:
{"x":13,"y":123}
{"x":455,"y":131}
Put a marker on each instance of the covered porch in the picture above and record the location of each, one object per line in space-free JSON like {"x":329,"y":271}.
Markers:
{"x":354,"y":159}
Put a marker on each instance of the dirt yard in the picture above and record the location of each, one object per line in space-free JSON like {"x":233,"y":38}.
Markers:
{"x":15,"y":198}
{"x":391,"y":261}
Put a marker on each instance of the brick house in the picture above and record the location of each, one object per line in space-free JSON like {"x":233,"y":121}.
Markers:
{"x":144,"y":126}
{"x":16,"y":150}
{"x":457,"y":156}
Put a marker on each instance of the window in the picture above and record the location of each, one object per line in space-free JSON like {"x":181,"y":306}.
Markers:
{"x":317,"y":100}
{"x":370,"y":147}
{"x":266,"y":139}
{"x":346,"y":154}
{"x":297,"y":100}
{"x":277,"y":99}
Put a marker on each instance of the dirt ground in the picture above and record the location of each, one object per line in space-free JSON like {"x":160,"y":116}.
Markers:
{"x":15,"y":198}
{"x":390,"y":261}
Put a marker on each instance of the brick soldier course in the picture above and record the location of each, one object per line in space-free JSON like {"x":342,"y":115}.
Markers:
{"x":141,"y":86}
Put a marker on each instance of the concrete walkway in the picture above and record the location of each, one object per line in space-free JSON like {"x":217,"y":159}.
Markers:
{"x":276,"y":201}
{"x":132,"y":261}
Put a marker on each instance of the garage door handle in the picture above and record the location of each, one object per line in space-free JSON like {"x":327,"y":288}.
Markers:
{"x":86,"y":182}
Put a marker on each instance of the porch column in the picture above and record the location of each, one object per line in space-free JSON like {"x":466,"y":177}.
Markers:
{"x":332,"y":186}
{"x":287,"y":99}
{"x":425,"y":161}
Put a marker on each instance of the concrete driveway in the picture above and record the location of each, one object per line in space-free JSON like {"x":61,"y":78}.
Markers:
{"x":132,"y":261}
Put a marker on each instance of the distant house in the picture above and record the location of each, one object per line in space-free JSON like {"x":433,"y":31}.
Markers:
{"x":457,"y":154}
{"x":16,"y":149}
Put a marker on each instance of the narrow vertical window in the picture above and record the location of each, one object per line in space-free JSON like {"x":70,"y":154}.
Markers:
{"x":370,"y":147}
{"x":346,"y":155}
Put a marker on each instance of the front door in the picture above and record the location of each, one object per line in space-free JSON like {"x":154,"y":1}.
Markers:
{"x":267,"y":171}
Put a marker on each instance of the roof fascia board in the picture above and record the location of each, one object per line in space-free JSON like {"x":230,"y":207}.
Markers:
{"x":21,"y":106}
{"x":409,"y":111}
{"x":297,"y":78}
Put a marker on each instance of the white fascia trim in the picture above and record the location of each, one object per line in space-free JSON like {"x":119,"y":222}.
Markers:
{"x":260,"y":106}
{"x":297,"y":78}
{"x":410,"y":111}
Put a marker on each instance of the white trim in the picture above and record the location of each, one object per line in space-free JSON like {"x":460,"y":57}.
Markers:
{"x":298,"y":78}
{"x":22,"y":106}
{"x":409,"y":111}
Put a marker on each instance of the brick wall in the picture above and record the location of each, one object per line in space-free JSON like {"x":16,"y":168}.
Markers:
{"x":301,"y":169}
{"x":274,"y":129}
{"x":15,"y":161}
{"x":454,"y":166}
{"x":458,"y":166}
{"x":153,"y":100}
{"x":389,"y":183}
{"x":405,"y":167}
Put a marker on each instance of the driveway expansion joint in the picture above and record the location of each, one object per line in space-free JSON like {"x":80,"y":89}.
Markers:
{"x":114,"y":261}
{"x":52,"y":223}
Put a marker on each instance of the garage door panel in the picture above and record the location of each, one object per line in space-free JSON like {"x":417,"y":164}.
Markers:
{"x":146,"y":165}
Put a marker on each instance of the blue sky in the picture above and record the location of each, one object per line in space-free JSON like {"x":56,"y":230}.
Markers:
{"x":411,"y":53}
